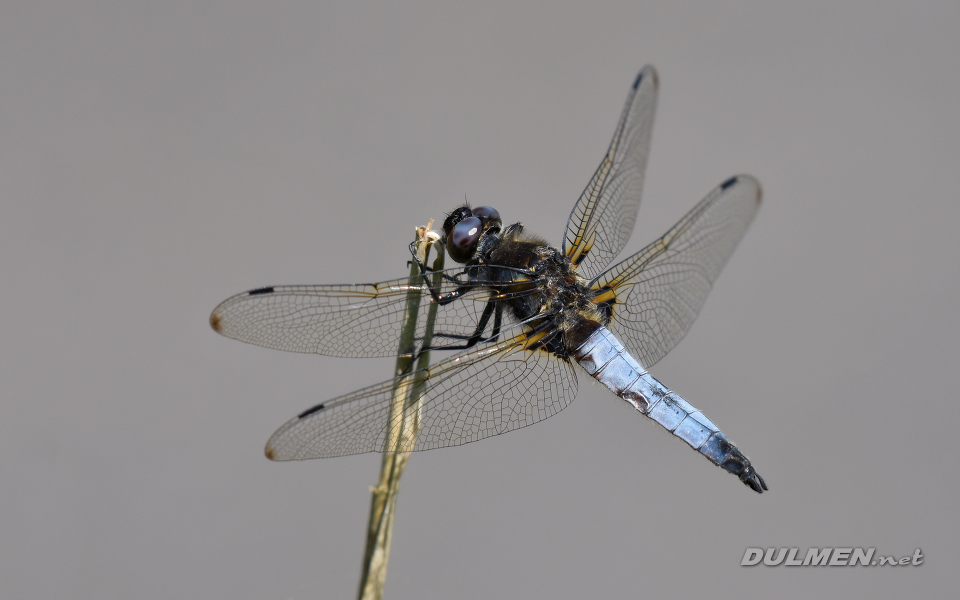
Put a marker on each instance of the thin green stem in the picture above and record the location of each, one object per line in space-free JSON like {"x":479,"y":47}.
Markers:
{"x":403,"y":426}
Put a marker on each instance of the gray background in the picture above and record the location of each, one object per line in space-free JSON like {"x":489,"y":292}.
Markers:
{"x":159,"y":157}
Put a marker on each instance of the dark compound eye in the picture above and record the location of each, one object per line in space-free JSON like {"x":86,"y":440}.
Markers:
{"x":455,"y":217}
{"x":466,"y":233}
{"x":485,"y":213}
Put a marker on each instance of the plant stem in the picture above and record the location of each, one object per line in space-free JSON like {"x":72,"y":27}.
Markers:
{"x":404,"y":424}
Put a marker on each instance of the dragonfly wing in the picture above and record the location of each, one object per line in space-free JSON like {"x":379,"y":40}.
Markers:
{"x":602,"y":220}
{"x":351,"y":320}
{"x":656,"y":294}
{"x":485,"y":391}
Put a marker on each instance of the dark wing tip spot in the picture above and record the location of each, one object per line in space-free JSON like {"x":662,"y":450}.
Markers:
{"x":261,"y":291}
{"x":215,"y":320}
{"x":310,"y":411}
{"x":728,"y":183}
{"x":649,"y":73}
{"x":269,"y":453}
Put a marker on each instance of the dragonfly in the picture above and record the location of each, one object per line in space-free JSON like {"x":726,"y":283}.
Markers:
{"x":518,"y":313}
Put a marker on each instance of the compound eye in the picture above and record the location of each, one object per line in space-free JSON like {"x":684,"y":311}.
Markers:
{"x":485,"y":213}
{"x":455,"y":217}
{"x":466,"y":233}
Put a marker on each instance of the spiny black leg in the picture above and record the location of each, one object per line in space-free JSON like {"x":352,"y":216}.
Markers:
{"x":484,"y":319}
{"x":494,"y":334}
{"x":497,"y":322}
{"x":425,"y":271}
{"x":477,"y":334}
{"x":413,"y":253}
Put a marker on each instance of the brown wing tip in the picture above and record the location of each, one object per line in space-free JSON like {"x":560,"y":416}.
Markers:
{"x":215,"y":321}
{"x":744,"y":179}
{"x":756,"y":184}
{"x":649,"y":72}
{"x":269,"y":453}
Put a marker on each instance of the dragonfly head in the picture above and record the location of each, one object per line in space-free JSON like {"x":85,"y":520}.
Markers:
{"x":463,"y":228}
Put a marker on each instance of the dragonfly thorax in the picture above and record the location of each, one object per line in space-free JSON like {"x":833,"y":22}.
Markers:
{"x":520,"y":262}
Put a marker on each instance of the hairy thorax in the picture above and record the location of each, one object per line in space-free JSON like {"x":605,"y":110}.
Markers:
{"x":564,"y":298}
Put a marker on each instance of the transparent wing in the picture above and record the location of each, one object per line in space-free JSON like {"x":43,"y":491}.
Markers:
{"x":603,"y":218}
{"x":351,"y":320}
{"x":487,"y":390}
{"x":656,"y":294}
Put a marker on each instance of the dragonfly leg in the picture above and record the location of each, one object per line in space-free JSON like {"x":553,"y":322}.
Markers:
{"x":425,"y":271}
{"x":493,"y":309}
